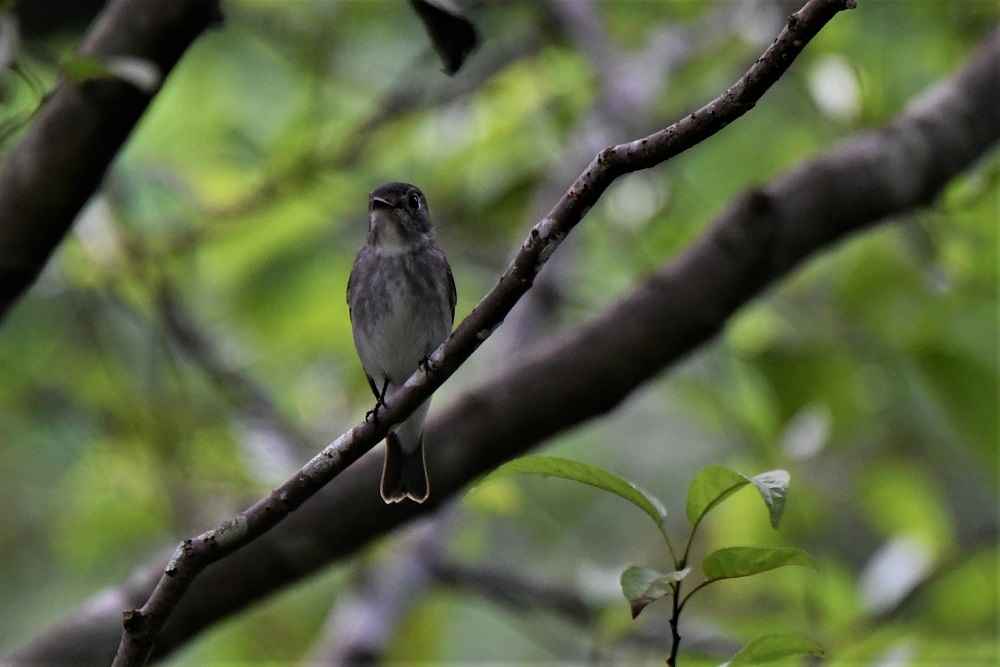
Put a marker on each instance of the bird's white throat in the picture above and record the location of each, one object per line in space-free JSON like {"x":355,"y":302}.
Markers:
{"x":390,"y":239}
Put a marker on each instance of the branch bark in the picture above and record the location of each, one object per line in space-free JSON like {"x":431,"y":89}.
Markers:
{"x":587,"y":372}
{"x":61,"y":160}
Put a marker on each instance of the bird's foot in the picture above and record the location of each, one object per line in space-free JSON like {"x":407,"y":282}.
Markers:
{"x":379,"y":403}
{"x":372,"y":415}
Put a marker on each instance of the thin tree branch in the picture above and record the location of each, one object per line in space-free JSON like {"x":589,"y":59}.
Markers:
{"x":255,"y":410}
{"x":588,"y":371}
{"x":142,"y":626}
{"x":61,"y":160}
{"x":629,"y":84}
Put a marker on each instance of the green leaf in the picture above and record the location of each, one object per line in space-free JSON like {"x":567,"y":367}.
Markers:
{"x":710,"y":487}
{"x":642,"y":585}
{"x":775,"y":647}
{"x":453,"y":36}
{"x":714,"y":484}
{"x":773,"y":487}
{"x":733,"y":562}
{"x":552,"y":466}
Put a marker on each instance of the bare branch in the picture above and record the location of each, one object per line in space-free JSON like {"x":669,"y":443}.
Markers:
{"x":628,"y":85}
{"x":256,"y":411}
{"x":142,"y":626}
{"x":61,"y":160}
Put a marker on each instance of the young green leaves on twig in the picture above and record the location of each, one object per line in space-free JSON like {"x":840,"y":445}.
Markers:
{"x":710,"y":487}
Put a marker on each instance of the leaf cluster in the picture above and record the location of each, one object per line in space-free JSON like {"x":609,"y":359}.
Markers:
{"x":643,"y":585}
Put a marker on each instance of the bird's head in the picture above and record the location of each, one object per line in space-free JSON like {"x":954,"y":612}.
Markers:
{"x":397,"y":216}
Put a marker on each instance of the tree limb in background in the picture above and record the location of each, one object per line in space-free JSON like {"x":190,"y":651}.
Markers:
{"x":39,"y":19}
{"x":524,"y":597}
{"x":59,"y":163}
{"x":367,"y":613}
{"x":370,"y":610}
{"x":143,"y":625}
{"x":588,"y":371}
{"x":255,"y":411}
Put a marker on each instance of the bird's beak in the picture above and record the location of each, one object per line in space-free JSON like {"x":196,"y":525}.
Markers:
{"x":378,"y":202}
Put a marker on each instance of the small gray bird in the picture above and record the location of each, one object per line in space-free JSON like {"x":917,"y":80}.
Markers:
{"x":401,"y":296}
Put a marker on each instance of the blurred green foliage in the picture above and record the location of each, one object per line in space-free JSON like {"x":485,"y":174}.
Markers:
{"x":870,"y":374}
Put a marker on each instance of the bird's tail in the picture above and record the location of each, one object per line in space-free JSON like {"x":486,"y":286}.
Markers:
{"x":404,"y":474}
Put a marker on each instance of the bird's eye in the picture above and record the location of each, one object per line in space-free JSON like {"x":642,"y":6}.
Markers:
{"x":413,"y":201}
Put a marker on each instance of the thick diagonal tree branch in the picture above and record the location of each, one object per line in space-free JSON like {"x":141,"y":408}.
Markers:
{"x":143,"y":625}
{"x":590,"y":370}
{"x":61,"y":160}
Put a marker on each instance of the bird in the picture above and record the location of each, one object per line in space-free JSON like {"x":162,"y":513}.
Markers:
{"x":401,"y":297}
